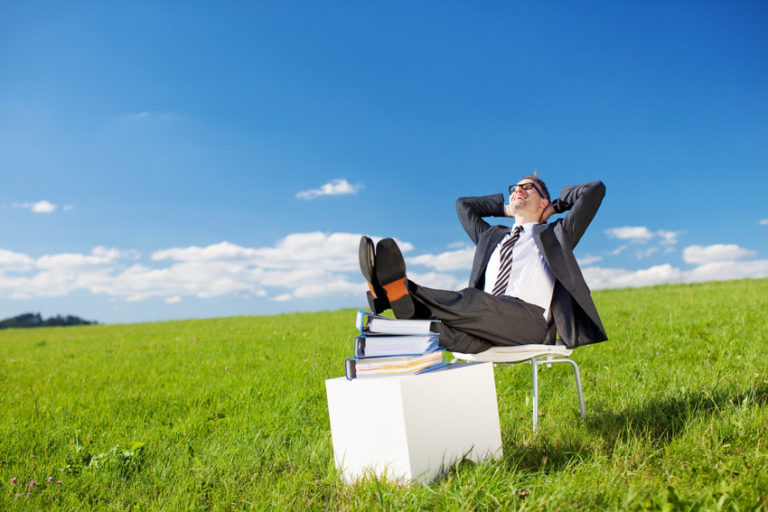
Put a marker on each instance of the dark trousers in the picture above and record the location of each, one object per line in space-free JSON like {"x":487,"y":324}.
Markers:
{"x":473,"y":321}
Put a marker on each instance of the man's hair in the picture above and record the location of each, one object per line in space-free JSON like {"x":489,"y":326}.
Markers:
{"x":538,"y":182}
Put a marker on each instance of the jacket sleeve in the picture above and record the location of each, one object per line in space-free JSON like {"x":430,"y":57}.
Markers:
{"x":581,"y":202}
{"x":471,"y":211}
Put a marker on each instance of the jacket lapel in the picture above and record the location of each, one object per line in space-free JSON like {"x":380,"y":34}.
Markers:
{"x":485,"y":247}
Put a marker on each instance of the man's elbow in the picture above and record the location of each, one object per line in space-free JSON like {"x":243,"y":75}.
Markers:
{"x":461,"y":205}
{"x":599,"y":188}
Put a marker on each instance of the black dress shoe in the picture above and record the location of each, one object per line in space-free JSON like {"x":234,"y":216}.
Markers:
{"x":377,"y":298}
{"x":390,"y":272}
{"x":377,"y":304}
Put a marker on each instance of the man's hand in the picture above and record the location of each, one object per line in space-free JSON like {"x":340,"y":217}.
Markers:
{"x":547,"y":213}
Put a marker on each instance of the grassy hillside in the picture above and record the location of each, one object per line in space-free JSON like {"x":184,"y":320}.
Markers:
{"x":230,"y":414}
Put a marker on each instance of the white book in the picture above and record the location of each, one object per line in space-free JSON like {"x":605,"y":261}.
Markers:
{"x":383,"y":345}
{"x":394,"y":365}
{"x":370,"y":323}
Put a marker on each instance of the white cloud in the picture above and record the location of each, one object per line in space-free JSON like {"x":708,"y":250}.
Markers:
{"x":646,"y":253}
{"x":724,"y":270}
{"x":323,"y":288}
{"x":630,"y":233}
{"x":99,"y":256}
{"x":43,"y":207}
{"x":333,"y":188}
{"x":439,"y":280}
{"x":139,"y":115}
{"x":598,"y":277}
{"x":619,"y":249}
{"x":699,"y":255}
{"x":668,"y":237}
{"x":588,"y":260}
{"x":301,"y":265}
{"x":641,"y":235}
{"x":38,"y":207}
{"x":222,"y":250}
{"x":764,"y":222}
{"x":14,"y":261}
{"x":460,"y":259}
{"x":712,"y":263}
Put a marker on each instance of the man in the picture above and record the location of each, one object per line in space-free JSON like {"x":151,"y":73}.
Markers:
{"x":525,"y":284}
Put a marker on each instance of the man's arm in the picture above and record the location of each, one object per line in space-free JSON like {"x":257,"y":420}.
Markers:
{"x":581,"y":202}
{"x":471,"y":211}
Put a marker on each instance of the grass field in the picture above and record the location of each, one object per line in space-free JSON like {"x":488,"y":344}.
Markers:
{"x":230,"y":414}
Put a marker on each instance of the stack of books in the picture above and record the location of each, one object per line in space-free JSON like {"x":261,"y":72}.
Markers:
{"x":388,"y":346}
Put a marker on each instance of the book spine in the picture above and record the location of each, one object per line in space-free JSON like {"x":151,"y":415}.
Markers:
{"x":359,"y":346}
{"x":350,"y":368}
{"x":361,"y":321}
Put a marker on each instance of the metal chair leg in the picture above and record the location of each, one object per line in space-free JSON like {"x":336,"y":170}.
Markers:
{"x":578,"y":386}
{"x":550,"y":362}
{"x":535,"y":394}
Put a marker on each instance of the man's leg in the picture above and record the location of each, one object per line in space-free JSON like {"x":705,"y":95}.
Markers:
{"x":473,"y":320}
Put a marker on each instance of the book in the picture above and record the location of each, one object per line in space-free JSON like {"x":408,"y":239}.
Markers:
{"x":382,"y":345}
{"x":393,"y":365}
{"x":367,"y":322}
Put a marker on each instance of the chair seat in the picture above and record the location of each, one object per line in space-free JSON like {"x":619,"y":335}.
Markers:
{"x":515,"y":354}
{"x":549,"y":354}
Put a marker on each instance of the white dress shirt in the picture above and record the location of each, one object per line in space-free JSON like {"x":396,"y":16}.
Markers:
{"x":530,"y":279}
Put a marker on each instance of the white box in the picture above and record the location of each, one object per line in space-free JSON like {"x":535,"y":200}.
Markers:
{"x":412,"y":428}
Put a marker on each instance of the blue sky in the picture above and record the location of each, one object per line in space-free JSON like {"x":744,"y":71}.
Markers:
{"x":164,"y":160}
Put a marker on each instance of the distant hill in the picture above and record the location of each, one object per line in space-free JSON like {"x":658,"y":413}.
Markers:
{"x":35,"y":320}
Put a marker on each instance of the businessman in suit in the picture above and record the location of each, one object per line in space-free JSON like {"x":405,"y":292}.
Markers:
{"x":525,"y":286}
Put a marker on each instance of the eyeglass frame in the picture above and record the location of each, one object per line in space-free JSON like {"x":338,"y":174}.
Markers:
{"x":523,"y":186}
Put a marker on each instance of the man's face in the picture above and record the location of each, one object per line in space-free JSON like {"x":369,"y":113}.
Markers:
{"x":526,"y":203}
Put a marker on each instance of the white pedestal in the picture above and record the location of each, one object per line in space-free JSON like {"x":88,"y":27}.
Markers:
{"x":414,"y":427}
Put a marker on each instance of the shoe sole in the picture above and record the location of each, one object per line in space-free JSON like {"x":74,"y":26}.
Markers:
{"x":366,"y":256}
{"x":390,"y":273}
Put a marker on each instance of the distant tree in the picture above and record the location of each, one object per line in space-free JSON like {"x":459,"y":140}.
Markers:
{"x":35,"y":320}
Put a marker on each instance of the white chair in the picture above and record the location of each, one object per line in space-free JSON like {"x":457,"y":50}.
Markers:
{"x":534,"y":355}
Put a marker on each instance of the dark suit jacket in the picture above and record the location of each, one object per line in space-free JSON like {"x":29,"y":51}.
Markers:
{"x":573,"y":311}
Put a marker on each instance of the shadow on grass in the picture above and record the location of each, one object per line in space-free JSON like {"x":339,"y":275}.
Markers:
{"x":545,"y":456}
{"x":660,"y":420}
{"x":663,"y":419}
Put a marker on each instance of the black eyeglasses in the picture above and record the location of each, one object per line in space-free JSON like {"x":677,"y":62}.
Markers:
{"x":525,"y":186}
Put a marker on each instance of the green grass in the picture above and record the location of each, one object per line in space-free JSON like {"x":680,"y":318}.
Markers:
{"x":230,"y":413}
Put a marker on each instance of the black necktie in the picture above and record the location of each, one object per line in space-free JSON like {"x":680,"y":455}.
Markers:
{"x":505,"y":263}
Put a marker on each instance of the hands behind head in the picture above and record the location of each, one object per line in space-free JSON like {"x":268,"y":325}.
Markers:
{"x":547,"y":213}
